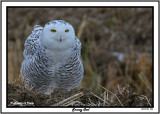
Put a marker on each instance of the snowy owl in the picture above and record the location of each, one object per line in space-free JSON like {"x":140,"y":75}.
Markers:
{"x":52,"y":58}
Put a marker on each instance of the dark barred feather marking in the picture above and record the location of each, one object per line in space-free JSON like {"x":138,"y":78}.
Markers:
{"x":71,"y":72}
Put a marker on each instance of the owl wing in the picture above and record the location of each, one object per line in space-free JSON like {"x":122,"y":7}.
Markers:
{"x":32,"y":42}
{"x":77,"y":47}
{"x":31,"y":47}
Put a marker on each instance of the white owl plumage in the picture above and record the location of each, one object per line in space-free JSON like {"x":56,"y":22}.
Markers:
{"x":52,"y":58}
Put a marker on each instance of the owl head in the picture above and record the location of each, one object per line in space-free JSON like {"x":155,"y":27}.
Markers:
{"x":58,"y":35}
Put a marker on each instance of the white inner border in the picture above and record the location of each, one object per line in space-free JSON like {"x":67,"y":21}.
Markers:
{"x":5,"y":4}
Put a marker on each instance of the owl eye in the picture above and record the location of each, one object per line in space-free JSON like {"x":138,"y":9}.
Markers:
{"x":66,"y":30}
{"x":53,"y":30}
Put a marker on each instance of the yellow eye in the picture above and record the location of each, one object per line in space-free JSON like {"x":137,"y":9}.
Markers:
{"x":66,"y":30}
{"x":53,"y":30}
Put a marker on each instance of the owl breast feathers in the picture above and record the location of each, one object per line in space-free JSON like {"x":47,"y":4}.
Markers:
{"x":52,"y":58}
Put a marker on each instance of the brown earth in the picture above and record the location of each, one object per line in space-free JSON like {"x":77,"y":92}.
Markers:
{"x":18,"y":96}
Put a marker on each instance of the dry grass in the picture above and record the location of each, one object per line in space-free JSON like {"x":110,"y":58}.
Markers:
{"x":69,"y":101}
{"x":102,"y":31}
{"x":77,"y":97}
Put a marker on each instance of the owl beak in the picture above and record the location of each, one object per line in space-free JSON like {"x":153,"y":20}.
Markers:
{"x":60,"y":38}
